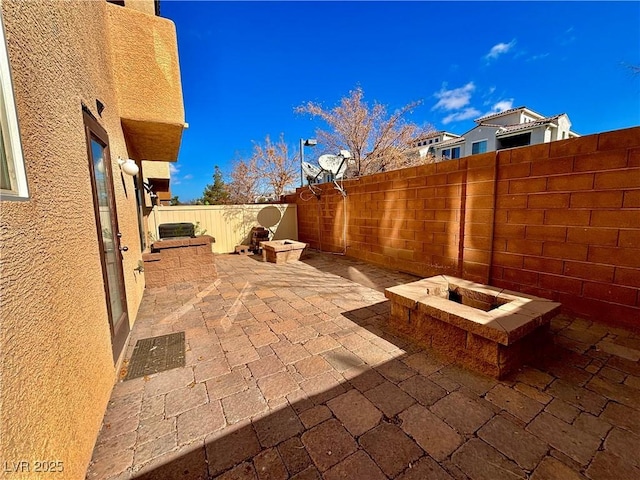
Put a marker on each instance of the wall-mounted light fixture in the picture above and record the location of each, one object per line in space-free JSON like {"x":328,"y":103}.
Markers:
{"x":309,"y":142}
{"x":128,"y":166}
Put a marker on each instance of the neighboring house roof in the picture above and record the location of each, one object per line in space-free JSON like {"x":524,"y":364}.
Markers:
{"x":484,"y":118}
{"x":434,"y":134}
{"x":448,"y":143}
{"x":503,"y":130}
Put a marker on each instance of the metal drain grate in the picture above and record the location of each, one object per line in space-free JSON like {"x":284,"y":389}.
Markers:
{"x":156,"y":354}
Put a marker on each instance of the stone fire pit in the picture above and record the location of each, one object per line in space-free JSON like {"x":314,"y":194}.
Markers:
{"x":282,"y":251}
{"x":486,"y":329}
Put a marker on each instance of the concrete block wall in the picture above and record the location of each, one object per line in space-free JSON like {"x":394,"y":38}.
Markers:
{"x":558,"y":220}
{"x":567,"y":224}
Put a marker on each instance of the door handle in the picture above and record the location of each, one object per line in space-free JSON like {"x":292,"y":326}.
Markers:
{"x":123,"y":249}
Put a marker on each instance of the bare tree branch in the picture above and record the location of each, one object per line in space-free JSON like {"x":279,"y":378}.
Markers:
{"x":377,"y":142}
{"x":275,"y":164}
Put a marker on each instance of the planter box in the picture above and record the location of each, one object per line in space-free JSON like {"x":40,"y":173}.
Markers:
{"x":282,"y":251}
{"x":483,"y":328}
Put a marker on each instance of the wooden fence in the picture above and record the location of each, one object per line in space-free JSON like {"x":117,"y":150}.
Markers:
{"x":230,"y":225}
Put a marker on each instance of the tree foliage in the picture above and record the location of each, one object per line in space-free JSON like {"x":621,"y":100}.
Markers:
{"x":377,"y":141}
{"x":216,"y":193}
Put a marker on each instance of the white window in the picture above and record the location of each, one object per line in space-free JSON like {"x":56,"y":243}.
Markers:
{"x":13,"y":179}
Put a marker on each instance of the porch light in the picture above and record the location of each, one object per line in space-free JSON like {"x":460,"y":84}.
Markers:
{"x":128,"y":166}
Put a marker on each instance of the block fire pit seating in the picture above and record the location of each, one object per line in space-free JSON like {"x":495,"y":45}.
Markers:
{"x":180,"y":259}
{"x":486,"y":329}
{"x":282,"y":251}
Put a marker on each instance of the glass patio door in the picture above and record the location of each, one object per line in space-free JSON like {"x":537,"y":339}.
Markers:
{"x":108,"y":234}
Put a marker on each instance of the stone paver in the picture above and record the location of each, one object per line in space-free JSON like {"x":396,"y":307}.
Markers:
{"x":243,"y":405}
{"x":226,"y":385}
{"x":391,"y":448}
{"x":389,"y":398}
{"x":179,"y":401}
{"x":312,"y":366}
{"x":514,"y":402}
{"x":423,"y":390}
{"x":569,"y":439}
{"x":553,"y":469}
{"x":356,"y":413}
{"x":225,"y":451}
{"x":278,"y":426}
{"x":269,"y":465}
{"x":328,"y":444}
{"x":436,"y":438}
{"x":277,"y":385}
{"x":482,"y":462}
{"x":199,"y":422}
{"x":294,"y":455}
{"x":514,"y":442}
{"x":292,"y":372}
{"x":266,"y":366}
{"x":462,"y":412}
{"x":358,"y":465}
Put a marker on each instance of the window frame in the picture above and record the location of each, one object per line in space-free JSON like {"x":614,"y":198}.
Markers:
{"x":486,"y":145}
{"x":10,"y":128}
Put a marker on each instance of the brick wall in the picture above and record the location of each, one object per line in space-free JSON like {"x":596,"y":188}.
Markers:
{"x":178,"y":260}
{"x":558,"y":220}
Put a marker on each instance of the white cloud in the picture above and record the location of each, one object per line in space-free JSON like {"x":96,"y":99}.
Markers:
{"x":454,"y":99}
{"x":188,"y":176}
{"x":465,"y":114}
{"x":502,"y":105}
{"x":499,"y":49}
{"x":539,"y":56}
{"x":173,"y":169}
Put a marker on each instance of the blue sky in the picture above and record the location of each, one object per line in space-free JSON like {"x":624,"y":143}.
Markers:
{"x":245,"y":66}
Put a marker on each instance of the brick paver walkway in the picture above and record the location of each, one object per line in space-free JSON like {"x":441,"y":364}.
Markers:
{"x":291,"y":373}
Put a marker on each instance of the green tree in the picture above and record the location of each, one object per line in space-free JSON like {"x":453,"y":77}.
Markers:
{"x":216,"y":193}
{"x":175,"y":200}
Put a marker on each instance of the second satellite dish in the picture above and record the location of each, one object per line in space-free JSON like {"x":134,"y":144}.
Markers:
{"x":310,"y":171}
{"x":330,"y":163}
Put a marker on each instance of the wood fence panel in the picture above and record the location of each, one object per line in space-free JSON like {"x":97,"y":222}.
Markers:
{"x":230,"y":225}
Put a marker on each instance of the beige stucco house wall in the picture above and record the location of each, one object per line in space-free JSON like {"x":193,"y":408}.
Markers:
{"x":57,"y":368}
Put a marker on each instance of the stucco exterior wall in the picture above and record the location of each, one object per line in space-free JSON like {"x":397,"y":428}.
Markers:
{"x":156,"y":170}
{"x":147,"y":81}
{"x":478,"y":134}
{"x":145,"y":6}
{"x":57,"y":367}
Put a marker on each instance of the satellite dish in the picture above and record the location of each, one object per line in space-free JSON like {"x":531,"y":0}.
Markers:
{"x":330,"y":163}
{"x":310,"y":171}
{"x":341,"y":171}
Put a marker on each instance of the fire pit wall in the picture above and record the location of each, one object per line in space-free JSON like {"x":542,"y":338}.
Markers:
{"x":485,"y":329}
{"x":177,"y":260}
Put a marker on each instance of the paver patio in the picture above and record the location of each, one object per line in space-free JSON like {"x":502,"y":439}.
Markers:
{"x":291,"y":372}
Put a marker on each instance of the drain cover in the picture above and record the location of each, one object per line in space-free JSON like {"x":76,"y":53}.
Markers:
{"x":156,"y":354}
